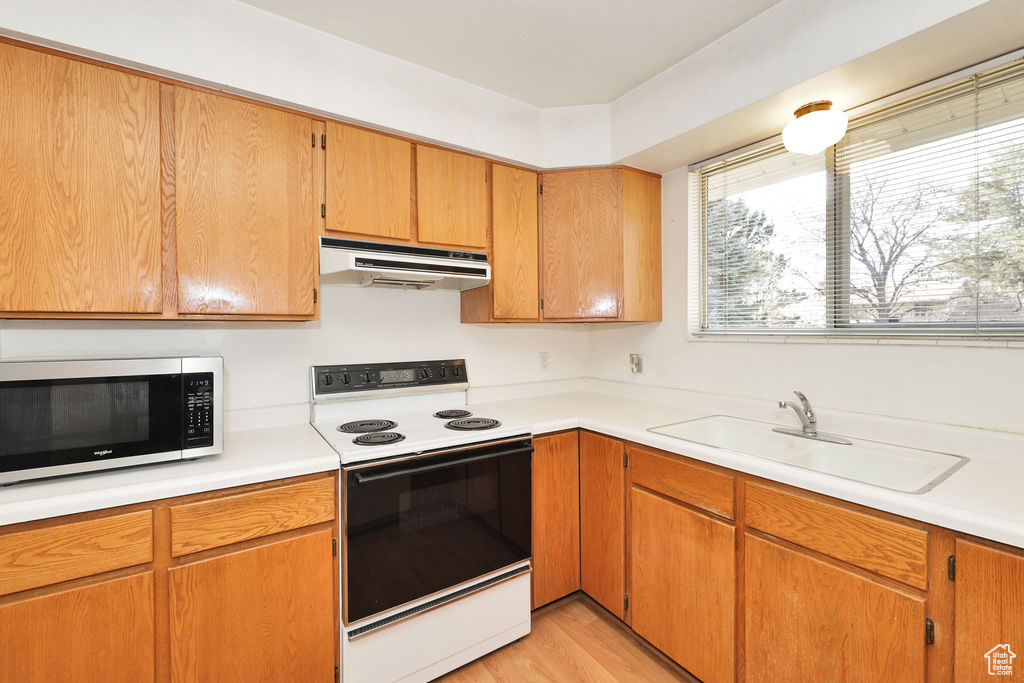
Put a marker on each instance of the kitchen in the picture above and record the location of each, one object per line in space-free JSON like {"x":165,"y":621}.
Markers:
{"x":224,"y":78}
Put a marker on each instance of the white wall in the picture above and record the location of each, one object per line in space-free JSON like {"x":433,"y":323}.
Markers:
{"x":267,"y":364}
{"x":972,"y":386}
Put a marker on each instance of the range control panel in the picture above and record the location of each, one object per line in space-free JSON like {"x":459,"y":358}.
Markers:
{"x":198,"y":409}
{"x":341,"y":379}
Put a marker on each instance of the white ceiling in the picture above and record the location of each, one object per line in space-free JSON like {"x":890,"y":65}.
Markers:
{"x":547,"y":53}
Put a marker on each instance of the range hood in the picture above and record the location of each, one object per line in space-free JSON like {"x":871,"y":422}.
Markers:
{"x":362,"y":262}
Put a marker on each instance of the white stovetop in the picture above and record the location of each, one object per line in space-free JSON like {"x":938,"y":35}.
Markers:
{"x":414,"y":418}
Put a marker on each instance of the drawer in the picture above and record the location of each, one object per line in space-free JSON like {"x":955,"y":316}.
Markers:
{"x":41,"y":557}
{"x":888,"y":548}
{"x":690,"y":483}
{"x":223,"y":521}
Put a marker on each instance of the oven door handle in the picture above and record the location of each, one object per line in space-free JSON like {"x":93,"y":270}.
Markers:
{"x":362,"y":478}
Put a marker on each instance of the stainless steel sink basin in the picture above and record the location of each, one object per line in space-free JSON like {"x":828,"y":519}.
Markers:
{"x":899,"y":468}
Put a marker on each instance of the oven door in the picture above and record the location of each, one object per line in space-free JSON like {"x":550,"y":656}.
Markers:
{"x":66,"y":417}
{"x":419,"y":525}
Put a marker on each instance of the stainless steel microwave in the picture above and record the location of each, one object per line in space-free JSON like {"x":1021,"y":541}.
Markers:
{"x":67,"y":417}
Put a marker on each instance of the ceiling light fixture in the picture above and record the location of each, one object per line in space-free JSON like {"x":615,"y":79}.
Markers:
{"x":817,"y":126}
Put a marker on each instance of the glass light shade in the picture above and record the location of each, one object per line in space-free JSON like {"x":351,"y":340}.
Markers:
{"x":812,"y":132}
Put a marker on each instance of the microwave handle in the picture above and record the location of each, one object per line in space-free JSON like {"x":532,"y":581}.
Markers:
{"x":362,"y":478}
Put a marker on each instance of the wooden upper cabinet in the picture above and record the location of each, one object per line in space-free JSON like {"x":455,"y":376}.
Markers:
{"x":556,"y":520}
{"x":989,"y":610}
{"x":79,"y":187}
{"x":451,"y":198}
{"x":368,"y":183}
{"x":516,"y":287}
{"x":246,"y":240}
{"x":601,"y":234}
{"x":582,"y":236}
{"x":810,"y":620}
{"x":603,"y":521}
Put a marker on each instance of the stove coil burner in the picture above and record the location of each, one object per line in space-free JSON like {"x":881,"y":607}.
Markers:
{"x":469,"y":424}
{"x":378,"y":439}
{"x":449,"y":414}
{"x":364,"y":426}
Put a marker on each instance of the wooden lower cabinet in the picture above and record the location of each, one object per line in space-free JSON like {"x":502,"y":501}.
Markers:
{"x":811,"y":620}
{"x":603,"y":521}
{"x":249,"y":592}
{"x":556,"y":517}
{"x":989,"y":612}
{"x":262,"y":614}
{"x":683,"y":584}
{"x":102,"y":633}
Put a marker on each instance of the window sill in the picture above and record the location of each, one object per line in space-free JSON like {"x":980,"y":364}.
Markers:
{"x":1015,"y":342}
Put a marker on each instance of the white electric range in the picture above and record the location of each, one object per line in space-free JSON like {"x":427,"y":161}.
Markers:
{"x":436,"y":501}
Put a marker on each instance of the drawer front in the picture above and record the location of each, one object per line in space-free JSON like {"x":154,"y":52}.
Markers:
{"x":699,"y":486}
{"x":888,"y":548}
{"x":41,"y":557}
{"x":223,"y":521}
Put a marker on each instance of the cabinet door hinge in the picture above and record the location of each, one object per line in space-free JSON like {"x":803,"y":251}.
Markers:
{"x":334,"y":547}
{"x":625,"y":459}
{"x":540,"y":188}
{"x":929,"y":631}
{"x":323,"y":141}
{"x":337,"y":675}
{"x":625,"y":602}
{"x":323,"y":211}
{"x":314,"y":301}
{"x":951,"y":567}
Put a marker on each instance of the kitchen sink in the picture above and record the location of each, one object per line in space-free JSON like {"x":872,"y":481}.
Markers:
{"x":910,"y":470}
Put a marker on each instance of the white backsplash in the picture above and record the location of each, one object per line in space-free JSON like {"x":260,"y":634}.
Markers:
{"x":267,"y":363}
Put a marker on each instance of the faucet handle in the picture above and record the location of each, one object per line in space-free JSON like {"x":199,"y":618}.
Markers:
{"x":803,"y":400}
{"x":782,"y":404}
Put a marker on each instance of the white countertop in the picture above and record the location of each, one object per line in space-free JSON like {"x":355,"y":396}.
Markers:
{"x":984,"y":498}
{"x":249,"y":457}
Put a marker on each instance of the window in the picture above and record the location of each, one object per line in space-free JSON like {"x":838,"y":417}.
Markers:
{"x":913,"y":223}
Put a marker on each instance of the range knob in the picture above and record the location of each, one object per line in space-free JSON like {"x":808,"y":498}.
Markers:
{"x":328,"y":380}
{"x":424,"y":373}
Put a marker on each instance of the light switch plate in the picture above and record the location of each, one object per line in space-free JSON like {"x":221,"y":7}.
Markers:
{"x":545,"y":364}
{"x":637,"y":363}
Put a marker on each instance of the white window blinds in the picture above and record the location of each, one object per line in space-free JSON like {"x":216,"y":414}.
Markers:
{"x":913,"y":223}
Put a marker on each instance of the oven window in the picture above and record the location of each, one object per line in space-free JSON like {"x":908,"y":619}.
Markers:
{"x":423,"y":526}
{"x":56,"y":422}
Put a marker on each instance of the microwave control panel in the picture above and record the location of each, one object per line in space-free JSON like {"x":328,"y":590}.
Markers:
{"x":198,"y":409}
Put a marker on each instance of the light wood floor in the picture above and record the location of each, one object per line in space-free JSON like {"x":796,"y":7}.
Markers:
{"x":572,"y":640}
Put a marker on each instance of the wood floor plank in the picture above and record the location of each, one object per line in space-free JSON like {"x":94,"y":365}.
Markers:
{"x":571,"y":640}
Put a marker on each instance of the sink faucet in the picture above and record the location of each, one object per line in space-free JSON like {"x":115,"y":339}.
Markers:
{"x":808,"y":420}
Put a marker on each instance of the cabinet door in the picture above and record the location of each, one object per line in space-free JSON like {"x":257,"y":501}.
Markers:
{"x":514,"y":259}
{"x":556,"y":517}
{"x":264,"y":614}
{"x":451,"y":198}
{"x":989,"y":611}
{"x":368,"y":183}
{"x":603,"y":521}
{"x":809,"y":620}
{"x":79,"y":187}
{"x":246,"y":242}
{"x":582,"y":238}
{"x":102,"y":632}
{"x":683,"y":584}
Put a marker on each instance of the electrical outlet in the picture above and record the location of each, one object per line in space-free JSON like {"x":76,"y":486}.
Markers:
{"x":637,"y":363}
{"x":545,"y":365}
